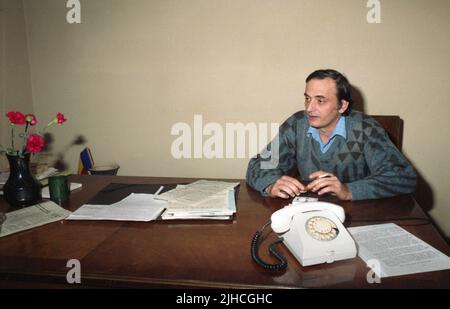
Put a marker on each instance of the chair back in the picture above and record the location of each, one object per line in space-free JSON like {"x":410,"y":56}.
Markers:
{"x":393,"y":125}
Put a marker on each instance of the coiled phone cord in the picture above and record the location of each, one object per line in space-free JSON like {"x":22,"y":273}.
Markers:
{"x":256,"y":242}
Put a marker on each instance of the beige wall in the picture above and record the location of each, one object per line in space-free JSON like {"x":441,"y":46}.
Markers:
{"x":15,"y":86}
{"x":133,"y":68}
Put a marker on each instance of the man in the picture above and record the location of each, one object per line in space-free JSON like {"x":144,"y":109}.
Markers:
{"x":336,"y":150}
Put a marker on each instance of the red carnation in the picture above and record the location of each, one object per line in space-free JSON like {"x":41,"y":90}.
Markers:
{"x":31,"y":119}
{"x":29,"y":143}
{"x":60,"y":118}
{"x":16,"y":118}
{"x":35,"y":143}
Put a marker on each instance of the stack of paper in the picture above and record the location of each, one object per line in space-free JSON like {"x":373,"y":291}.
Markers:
{"x":202,"y":199}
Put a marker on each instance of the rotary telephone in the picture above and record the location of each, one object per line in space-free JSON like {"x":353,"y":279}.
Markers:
{"x":311,"y":230}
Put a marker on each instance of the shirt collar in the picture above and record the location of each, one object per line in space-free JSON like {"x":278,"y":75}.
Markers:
{"x":338,"y":130}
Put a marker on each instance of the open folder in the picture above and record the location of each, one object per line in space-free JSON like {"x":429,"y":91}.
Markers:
{"x":123,"y":202}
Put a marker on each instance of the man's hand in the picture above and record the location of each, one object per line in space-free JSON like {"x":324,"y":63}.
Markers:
{"x":285,"y":187}
{"x":328,"y":183}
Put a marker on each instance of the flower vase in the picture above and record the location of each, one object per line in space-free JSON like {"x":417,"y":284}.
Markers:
{"x":21,"y":189}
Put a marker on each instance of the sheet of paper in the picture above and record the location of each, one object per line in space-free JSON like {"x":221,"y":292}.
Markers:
{"x":50,"y":172}
{"x":33,"y":216}
{"x":135,"y":207}
{"x":396,"y":251}
{"x":197,"y":192}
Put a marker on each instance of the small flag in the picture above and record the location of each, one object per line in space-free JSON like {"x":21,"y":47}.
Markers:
{"x":86,"y":161}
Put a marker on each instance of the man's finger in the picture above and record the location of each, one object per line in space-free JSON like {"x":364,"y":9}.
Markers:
{"x":315,"y":174}
{"x":288,"y":188}
{"x":282,"y":194}
{"x":319,"y":181}
{"x":326,"y":189}
{"x":319,"y":184}
{"x":293,"y":184}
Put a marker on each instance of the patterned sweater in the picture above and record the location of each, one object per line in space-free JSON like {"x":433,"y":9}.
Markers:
{"x":367,"y":161}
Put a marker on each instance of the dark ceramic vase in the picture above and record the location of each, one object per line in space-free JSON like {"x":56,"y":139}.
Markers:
{"x":21,"y":189}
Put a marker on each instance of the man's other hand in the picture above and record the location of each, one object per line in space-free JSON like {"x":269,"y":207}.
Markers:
{"x":285,"y":187}
{"x":323,"y":182}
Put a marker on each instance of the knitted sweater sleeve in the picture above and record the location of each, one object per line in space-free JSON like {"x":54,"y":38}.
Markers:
{"x":276,"y":160}
{"x":389,"y":171}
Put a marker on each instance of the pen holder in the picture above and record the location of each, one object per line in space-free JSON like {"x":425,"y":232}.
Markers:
{"x":59,"y":188}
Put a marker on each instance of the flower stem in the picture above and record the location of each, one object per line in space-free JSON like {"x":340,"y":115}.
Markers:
{"x":12,"y":137}
{"x":49,"y":124}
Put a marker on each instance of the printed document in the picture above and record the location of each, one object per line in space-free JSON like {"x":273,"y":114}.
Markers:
{"x":203,"y":199}
{"x":219,"y":207}
{"x":135,"y":207}
{"x":33,"y":216}
{"x":198,"y":192}
{"x":392,"y":251}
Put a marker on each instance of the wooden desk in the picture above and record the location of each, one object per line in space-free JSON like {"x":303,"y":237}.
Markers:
{"x":194,"y":253}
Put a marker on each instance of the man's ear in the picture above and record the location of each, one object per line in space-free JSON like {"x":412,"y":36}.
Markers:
{"x":343,"y":107}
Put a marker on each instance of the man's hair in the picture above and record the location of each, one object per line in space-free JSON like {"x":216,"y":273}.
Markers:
{"x":342,"y":85}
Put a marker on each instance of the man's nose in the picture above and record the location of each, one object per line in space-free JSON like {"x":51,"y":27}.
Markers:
{"x":310,"y":106}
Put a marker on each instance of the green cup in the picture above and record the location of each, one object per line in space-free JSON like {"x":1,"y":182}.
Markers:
{"x":59,"y":188}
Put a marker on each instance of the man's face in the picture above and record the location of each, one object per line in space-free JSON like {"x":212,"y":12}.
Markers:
{"x":321,"y":104}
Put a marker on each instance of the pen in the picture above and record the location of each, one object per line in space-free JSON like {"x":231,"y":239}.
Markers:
{"x":324,"y":176}
{"x":157,"y":192}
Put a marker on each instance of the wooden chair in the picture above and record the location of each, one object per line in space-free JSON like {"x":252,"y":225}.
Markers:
{"x":393,"y":125}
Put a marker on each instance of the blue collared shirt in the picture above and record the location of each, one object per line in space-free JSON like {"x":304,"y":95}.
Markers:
{"x":338,"y":130}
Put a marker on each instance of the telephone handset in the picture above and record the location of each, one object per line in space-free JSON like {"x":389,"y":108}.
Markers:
{"x":281,"y":219}
{"x":312,"y":231}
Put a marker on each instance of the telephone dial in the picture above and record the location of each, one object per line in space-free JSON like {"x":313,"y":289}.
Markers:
{"x":311,"y":230}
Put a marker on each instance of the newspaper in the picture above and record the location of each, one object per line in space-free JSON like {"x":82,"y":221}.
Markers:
{"x":33,"y":216}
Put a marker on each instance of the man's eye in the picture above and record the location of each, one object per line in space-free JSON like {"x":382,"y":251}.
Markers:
{"x":307,"y":99}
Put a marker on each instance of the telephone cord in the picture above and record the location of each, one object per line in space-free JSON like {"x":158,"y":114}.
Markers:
{"x":256,"y":242}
